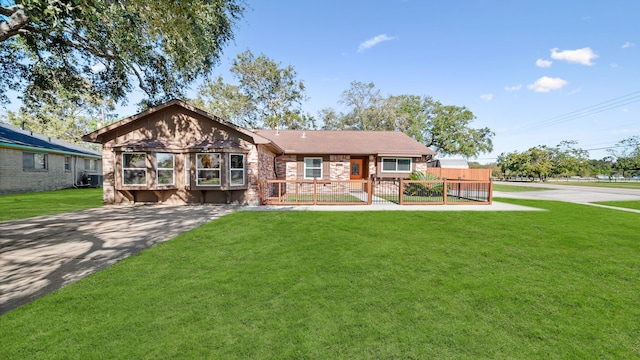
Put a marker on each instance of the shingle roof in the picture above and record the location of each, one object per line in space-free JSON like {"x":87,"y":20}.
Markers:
{"x":393,"y":143}
{"x":14,"y":137}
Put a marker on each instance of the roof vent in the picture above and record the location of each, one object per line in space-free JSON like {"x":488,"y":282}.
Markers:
{"x":304,"y":135}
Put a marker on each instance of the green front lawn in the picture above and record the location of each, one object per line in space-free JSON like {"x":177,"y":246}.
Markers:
{"x":623,"y":204}
{"x":561,"y":283}
{"x":516,"y":188}
{"x":20,"y":206}
{"x":323,"y":198}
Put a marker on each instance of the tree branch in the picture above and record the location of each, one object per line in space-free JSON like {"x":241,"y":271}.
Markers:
{"x":16,"y":21}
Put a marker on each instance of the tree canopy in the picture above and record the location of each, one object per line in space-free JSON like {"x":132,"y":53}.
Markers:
{"x":542,"y":161}
{"x":445,"y":128}
{"x":64,"y":115}
{"x":108,"y":47}
{"x":268,"y":95}
{"x":627,"y":154}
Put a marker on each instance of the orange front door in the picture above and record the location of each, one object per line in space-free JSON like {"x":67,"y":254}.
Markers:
{"x":356,"y":169}
{"x":356,"y":174}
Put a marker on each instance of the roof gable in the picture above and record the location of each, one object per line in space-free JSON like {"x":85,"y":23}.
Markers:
{"x":14,"y":137}
{"x":391,"y":143}
{"x":98,"y":135}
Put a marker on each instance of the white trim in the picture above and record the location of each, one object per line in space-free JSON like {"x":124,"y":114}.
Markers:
{"x":187,"y":170}
{"x":244,"y":165}
{"x":313,"y":168}
{"x":396,"y":163}
{"x":139,"y":169}
{"x":219,"y":169}
{"x":172,"y":169}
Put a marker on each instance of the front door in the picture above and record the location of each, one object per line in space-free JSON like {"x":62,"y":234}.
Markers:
{"x":356,"y":174}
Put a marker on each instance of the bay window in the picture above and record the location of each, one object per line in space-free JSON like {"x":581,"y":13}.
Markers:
{"x":208,"y":169}
{"x":236,"y":169}
{"x":134,"y":168}
{"x":165,"y":166}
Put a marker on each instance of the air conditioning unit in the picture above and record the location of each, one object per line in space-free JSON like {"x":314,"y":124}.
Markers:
{"x":95,"y":180}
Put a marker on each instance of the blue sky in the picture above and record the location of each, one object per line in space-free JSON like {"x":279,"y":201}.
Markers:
{"x":535,"y":72}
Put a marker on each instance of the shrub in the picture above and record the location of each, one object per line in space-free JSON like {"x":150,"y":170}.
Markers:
{"x":429,"y":189}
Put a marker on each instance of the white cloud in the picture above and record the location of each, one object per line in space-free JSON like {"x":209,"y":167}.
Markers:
{"x":579,"y":56}
{"x":543,"y":63}
{"x":374,"y":41}
{"x":513,"y":88}
{"x":99,"y":67}
{"x":486,"y":97}
{"x":628,"y":44}
{"x":546,"y":84}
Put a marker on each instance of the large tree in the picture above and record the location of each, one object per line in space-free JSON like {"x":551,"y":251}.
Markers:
{"x":63,"y":114}
{"x":114,"y":45}
{"x":542,"y":161}
{"x":267,"y":95}
{"x":627,"y":154}
{"x":445,"y":128}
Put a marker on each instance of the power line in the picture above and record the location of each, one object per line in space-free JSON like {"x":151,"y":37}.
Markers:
{"x":584,"y":112}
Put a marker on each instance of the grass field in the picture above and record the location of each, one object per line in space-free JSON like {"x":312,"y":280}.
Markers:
{"x":516,"y":188}
{"x":561,"y":283}
{"x":20,"y":206}
{"x":612,"y":184}
{"x":623,"y":204}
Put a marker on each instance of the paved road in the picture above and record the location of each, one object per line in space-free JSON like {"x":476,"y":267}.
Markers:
{"x":39,"y":255}
{"x":575,"y":194}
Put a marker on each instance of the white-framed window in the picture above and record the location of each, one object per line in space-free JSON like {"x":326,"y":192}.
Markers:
{"x":187,"y":170}
{"x":236,"y":169}
{"x":89,"y":164}
{"x":208,"y":169}
{"x":396,"y":165}
{"x":165,"y":168}
{"x":67,"y":163}
{"x":134,"y":168}
{"x":34,"y":161}
{"x":313,"y":168}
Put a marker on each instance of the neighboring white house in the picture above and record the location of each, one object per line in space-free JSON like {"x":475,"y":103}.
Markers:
{"x":33,"y":162}
{"x":449,"y":163}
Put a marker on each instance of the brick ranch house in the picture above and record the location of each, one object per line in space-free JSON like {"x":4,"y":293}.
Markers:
{"x":176,"y":154}
{"x":32,"y":162}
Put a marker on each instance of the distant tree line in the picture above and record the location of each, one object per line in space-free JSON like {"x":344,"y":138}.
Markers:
{"x":565,"y":159}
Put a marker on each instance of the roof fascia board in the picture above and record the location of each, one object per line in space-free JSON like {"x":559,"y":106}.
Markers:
{"x":45,"y":150}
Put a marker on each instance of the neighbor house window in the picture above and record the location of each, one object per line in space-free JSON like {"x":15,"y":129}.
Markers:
{"x":165,"y":166}
{"x":67,"y":163}
{"x":87,"y":164}
{"x":312,"y":168}
{"x":236,"y":169}
{"x":34,"y":161}
{"x":396,"y":165}
{"x":208,"y":169}
{"x":134,"y":168}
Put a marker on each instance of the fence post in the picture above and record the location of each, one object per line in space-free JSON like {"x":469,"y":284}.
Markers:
{"x":490,"y":192}
{"x":444,"y":191}
{"x":400,"y":188}
{"x":369,"y":185}
{"x":315,"y":191}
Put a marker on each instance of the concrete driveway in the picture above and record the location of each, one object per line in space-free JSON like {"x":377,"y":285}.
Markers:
{"x":39,"y":255}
